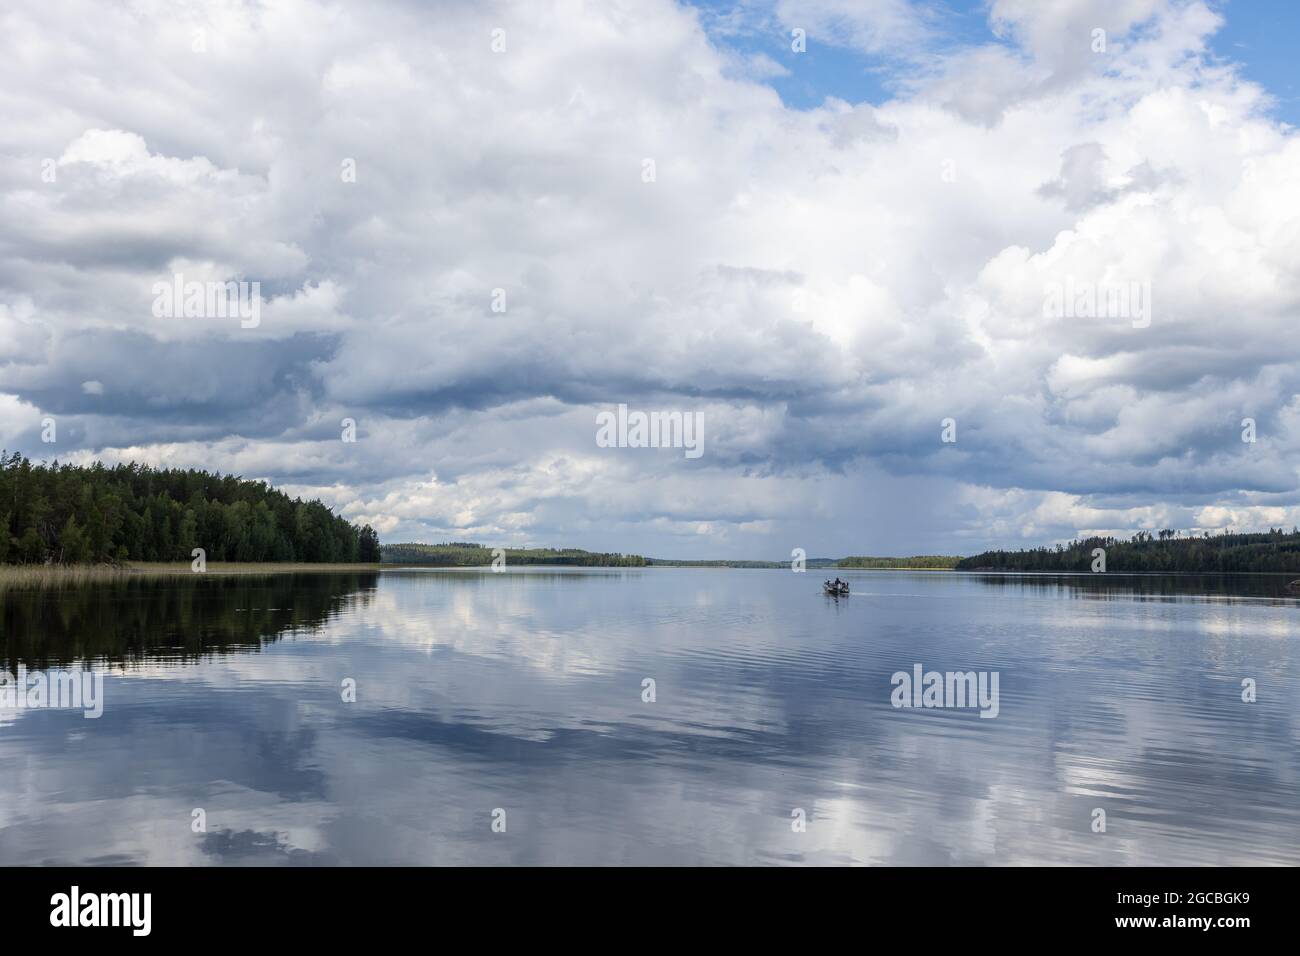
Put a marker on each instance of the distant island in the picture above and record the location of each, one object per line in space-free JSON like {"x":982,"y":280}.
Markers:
{"x":78,"y":515}
{"x":918,"y":563}
{"x":470,"y":554}
{"x":1164,"y":551}
{"x":1167,"y":551}
{"x":466,"y":554}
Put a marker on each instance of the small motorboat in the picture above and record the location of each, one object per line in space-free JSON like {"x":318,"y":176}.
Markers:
{"x":836,"y":587}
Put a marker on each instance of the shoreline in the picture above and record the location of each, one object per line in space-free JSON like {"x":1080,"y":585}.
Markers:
{"x":23,"y":576}
{"x":16,"y":576}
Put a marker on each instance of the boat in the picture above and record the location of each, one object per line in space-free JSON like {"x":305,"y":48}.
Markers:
{"x":836,"y":587}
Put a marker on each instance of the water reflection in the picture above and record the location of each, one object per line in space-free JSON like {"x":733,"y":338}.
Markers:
{"x":523,"y":691}
{"x":1185,"y":587}
{"x":181,"y":616}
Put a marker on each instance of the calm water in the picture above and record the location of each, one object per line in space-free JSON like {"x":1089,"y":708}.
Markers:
{"x":523,"y":691}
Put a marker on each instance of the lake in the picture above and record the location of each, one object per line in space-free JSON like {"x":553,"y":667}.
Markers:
{"x":510,"y":719}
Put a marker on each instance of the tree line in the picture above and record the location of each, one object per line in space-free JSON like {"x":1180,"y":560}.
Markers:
{"x":468,"y":554}
{"x":931,"y":562}
{"x":74,"y":514}
{"x":1166,"y":550}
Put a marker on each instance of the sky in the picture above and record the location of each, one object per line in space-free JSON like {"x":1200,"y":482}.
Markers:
{"x":930,"y":277}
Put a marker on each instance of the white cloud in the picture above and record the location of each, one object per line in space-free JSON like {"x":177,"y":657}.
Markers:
{"x":825,"y":285}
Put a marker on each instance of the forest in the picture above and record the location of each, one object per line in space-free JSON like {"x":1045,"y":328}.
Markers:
{"x":73,"y":514}
{"x":1166,"y":550}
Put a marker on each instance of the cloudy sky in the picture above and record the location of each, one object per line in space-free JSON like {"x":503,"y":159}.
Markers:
{"x":822,"y":252}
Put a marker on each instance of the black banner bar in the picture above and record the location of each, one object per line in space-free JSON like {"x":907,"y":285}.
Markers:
{"x":334,"y":905}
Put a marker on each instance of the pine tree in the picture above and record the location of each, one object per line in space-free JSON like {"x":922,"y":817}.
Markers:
{"x":73,"y":547}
